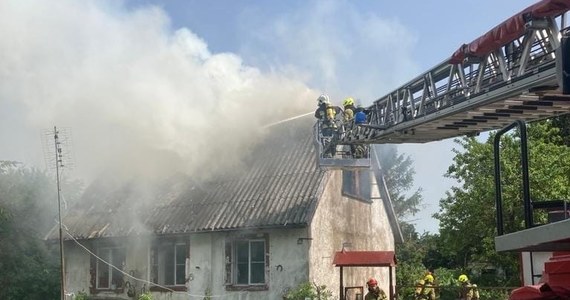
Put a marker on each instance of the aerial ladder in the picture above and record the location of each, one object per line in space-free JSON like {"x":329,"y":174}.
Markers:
{"x":519,"y":70}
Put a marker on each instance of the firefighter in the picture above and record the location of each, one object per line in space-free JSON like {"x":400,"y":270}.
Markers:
{"x":357,"y":151}
{"x":374,"y":292}
{"x":467,"y":290}
{"x":349,"y":109}
{"x":360,"y":116}
{"x":326,"y":114}
{"x":424,"y":288}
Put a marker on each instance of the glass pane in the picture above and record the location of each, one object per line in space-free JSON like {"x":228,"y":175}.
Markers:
{"x":154,"y":265}
{"x":180,"y":254}
{"x":242,"y":273}
{"x":118,"y":258}
{"x":168,"y":264}
{"x":365,"y":184}
{"x":242,"y":251}
{"x":103,"y":269}
{"x":180,"y":274}
{"x":257,"y":273}
{"x":348,"y":182}
{"x":258,"y":251}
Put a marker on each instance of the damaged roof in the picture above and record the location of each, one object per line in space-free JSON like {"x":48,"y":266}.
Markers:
{"x":279,"y":186}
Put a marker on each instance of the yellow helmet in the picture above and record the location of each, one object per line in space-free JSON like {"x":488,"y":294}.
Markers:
{"x":462,"y":278}
{"x":348,"y":101}
{"x":429,"y":278}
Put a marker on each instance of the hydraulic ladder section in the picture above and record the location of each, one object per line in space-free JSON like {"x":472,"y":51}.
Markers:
{"x":513,"y":72}
{"x":332,"y":155}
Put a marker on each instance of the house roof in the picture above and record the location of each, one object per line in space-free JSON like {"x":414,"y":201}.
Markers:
{"x":278,"y":187}
{"x":364,"y":259}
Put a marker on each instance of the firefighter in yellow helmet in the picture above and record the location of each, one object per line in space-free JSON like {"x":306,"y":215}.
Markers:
{"x":374,"y":291}
{"x":467,"y":290}
{"x":357,"y":151}
{"x":425,"y":288}
{"x":349,"y":109}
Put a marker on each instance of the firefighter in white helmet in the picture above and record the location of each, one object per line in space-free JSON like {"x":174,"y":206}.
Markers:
{"x":326,"y":114}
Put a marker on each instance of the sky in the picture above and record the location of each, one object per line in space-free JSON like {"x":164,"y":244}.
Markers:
{"x":189,"y":84}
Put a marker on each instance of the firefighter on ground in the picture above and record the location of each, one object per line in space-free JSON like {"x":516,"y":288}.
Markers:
{"x":326,"y":114}
{"x":467,"y":290}
{"x":425,"y":288}
{"x":374,"y":292}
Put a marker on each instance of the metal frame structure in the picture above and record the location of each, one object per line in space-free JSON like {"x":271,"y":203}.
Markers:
{"x":471,"y":93}
{"x":342,"y":159}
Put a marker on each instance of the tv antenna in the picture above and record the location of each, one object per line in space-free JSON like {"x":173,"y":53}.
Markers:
{"x":55,"y":153}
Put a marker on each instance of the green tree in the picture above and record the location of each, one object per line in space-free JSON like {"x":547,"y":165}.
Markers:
{"x":399,"y":175}
{"x":29,"y":267}
{"x":563,"y":124}
{"x":467,"y":213}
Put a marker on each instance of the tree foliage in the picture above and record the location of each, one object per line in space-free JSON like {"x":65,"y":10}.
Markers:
{"x":467,"y":213}
{"x":29,"y":267}
{"x":399,"y":175}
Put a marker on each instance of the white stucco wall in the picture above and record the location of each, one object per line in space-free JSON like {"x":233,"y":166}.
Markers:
{"x":288,"y":266}
{"x":77,"y":266}
{"x":339,"y":219}
{"x":76,"y":269}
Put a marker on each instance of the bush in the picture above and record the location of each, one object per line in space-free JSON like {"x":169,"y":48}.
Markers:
{"x":81,"y":296}
{"x":145,"y":296}
{"x":308,"y":290}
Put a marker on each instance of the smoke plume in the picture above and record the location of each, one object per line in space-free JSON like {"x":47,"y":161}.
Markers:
{"x":137,"y":94}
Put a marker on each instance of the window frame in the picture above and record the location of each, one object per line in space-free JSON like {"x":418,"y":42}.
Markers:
{"x":359,"y":180}
{"x":114,"y":250}
{"x":231,"y":262}
{"x":160,"y":246}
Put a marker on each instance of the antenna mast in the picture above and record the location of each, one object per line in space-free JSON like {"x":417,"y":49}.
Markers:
{"x":59,"y":164}
{"x":54,"y":157}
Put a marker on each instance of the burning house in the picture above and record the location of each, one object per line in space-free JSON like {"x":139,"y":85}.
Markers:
{"x":254,"y":232}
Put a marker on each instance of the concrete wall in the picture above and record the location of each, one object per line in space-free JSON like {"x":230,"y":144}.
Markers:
{"x":339,"y":219}
{"x":77,"y":265}
{"x":288,"y":266}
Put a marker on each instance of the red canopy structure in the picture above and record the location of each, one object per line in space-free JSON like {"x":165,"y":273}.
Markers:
{"x":509,"y":30}
{"x":365,"y":259}
{"x":555,"y":281}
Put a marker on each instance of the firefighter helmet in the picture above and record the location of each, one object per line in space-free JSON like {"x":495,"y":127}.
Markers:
{"x":372,"y":282}
{"x":323,"y":98}
{"x":348,"y":101}
{"x":428,"y":278}
{"x":462,"y":278}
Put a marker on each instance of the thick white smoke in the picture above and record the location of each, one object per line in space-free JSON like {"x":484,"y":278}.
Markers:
{"x":136,"y":93}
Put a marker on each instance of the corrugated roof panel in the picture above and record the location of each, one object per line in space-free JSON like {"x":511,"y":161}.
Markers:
{"x":277,"y":187}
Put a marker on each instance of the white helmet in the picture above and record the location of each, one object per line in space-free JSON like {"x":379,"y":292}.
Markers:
{"x":324,"y":98}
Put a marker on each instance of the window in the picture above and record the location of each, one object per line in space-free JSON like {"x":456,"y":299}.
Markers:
{"x":108,"y":277}
{"x":168,"y":263}
{"x":246,"y":262}
{"x":356,"y":184}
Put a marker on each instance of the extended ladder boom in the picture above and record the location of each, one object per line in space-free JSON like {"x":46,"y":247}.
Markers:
{"x":513,"y":72}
